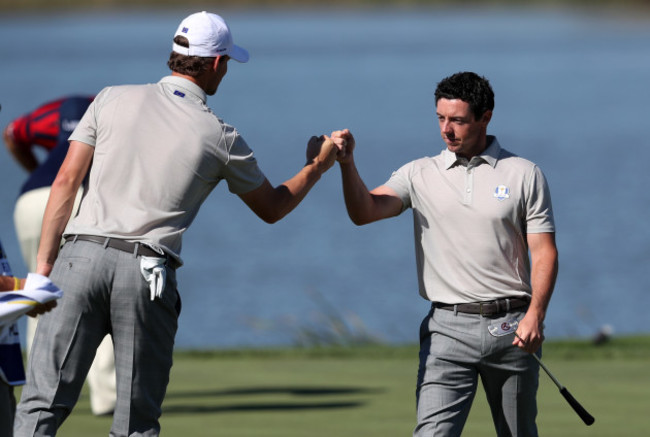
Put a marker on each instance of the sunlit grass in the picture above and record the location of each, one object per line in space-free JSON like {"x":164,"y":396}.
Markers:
{"x":369,"y":390}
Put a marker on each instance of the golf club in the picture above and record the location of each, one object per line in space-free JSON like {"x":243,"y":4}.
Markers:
{"x":510,"y":328}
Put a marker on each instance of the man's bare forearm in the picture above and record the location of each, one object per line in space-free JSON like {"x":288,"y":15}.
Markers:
{"x":61,"y":202}
{"x":358,"y":199}
{"x":57,"y":213}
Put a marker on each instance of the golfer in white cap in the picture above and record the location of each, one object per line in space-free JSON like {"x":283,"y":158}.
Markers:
{"x":155,"y":152}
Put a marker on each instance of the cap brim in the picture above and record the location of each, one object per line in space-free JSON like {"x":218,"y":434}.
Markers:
{"x":239,"y":54}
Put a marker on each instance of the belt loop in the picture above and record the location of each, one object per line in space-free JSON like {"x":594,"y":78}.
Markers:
{"x":455,"y":310}
{"x":498,"y":304}
{"x":108,"y":239}
{"x":136,"y":246}
{"x":74,"y":239}
{"x":507,"y":304}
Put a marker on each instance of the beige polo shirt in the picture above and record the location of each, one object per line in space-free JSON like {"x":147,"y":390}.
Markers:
{"x":471,"y":220}
{"x":159,"y":152}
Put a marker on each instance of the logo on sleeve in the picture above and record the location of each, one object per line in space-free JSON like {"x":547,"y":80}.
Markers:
{"x":502,"y":192}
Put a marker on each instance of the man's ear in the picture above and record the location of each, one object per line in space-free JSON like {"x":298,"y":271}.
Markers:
{"x":487,"y":116}
{"x":218,"y":59}
{"x":215,"y":64}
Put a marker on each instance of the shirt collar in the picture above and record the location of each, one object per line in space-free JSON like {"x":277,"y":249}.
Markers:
{"x":187,"y":85}
{"x":490,"y":155}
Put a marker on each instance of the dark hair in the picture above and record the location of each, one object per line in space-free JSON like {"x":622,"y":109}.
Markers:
{"x":470,"y":88}
{"x":189,"y":65}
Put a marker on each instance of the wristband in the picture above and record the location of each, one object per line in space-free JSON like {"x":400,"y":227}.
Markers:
{"x":16,"y":283}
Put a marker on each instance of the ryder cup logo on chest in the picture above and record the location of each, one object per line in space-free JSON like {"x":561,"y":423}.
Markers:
{"x":502,"y":192}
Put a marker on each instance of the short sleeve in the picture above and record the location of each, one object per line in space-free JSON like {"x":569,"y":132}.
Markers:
{"x":400,"y":182}
{"x":241,"y":171}
{"x":86,"y":130}
{"x":539,"y":211}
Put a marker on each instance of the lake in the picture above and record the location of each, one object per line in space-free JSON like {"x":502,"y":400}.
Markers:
{"x":571,"y":93}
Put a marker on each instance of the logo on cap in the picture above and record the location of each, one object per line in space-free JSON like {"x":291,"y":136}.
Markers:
{"x":185,"y":30}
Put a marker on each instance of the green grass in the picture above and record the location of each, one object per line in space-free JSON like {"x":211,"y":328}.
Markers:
{"x":366,"y":391}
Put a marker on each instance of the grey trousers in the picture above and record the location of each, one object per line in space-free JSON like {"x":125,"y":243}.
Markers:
{"x":104,"y":293}
{"x":28,"y":221}
{"x":455,"y":350}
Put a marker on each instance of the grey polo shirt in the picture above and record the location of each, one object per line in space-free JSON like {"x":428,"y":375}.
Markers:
{"x":159,"y":152}
{"x":471,"y":220}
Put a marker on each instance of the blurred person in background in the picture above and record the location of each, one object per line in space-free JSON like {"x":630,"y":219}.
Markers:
{"x":155,"y":152}
{"x":48,"y":128}
{"x":12,"y":371}
{"x":478,"y":210}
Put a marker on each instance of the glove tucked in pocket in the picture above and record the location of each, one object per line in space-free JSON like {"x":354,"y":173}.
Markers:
{"x":154,"y":272}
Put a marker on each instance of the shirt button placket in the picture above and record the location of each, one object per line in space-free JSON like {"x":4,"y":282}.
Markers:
{"x":469,"y":182}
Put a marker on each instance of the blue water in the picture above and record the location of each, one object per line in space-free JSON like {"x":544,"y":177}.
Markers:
{"x":571,"y":94}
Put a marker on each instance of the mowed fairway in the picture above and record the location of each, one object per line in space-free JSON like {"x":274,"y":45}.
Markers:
{"x":370,"y":392}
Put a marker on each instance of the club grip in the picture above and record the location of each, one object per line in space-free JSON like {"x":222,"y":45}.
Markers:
{"x":587,"y":418}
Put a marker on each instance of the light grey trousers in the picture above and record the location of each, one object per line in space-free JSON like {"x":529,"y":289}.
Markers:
{"x":455,"y":350}
{"x":104,"y":293}
{"x":28,"y":221}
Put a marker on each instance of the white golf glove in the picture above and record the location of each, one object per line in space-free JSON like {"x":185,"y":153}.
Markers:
{"x":154,"y":272}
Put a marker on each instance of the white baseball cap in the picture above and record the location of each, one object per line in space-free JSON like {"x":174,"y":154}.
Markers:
{"x":209,"y":36}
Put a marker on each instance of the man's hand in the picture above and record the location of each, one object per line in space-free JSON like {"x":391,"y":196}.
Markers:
{"x":42,"y":308}
{"x":23,"y":155}
{"x":529,"y":335}
{"x":44,"y":268}
{"x":345,"y":143}
{"x":321,"y":151}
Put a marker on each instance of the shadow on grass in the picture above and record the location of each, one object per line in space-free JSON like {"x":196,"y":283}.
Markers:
{"x":296,"y":391}
{"x":170,"y":408}
{"x":284,"y":406}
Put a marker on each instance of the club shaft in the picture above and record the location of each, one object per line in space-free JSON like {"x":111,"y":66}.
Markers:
{"x":587,"y":418}
{"x":548,"y":372}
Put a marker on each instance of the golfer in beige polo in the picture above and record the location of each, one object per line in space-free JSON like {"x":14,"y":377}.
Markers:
{"x":478,"y":210}
{"x":155,"y":152}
